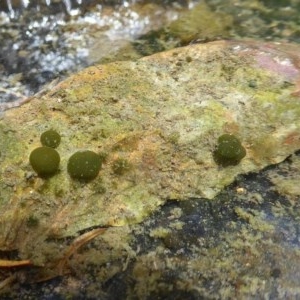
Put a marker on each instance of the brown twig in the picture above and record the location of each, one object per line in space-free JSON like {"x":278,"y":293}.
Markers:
{"x":78,"y":242}
{"x":7,"y":281}
{"x":58,"y":269}
{"x":14,"y":263}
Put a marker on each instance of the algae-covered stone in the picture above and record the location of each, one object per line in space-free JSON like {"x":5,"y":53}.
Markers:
{"x":200,"y":23}
{"x":164,"y":114}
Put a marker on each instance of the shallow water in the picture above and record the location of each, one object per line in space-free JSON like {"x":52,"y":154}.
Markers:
{"x":40,"y":43}
{"x":45,"y":40}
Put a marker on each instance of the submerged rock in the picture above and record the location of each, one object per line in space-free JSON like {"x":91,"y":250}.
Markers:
{"x":162,"y":115}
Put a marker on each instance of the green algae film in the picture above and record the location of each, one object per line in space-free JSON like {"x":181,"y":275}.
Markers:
{"x":121,"y":166}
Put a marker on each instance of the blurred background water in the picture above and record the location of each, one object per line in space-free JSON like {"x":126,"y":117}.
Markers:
{"x":43,"y":40}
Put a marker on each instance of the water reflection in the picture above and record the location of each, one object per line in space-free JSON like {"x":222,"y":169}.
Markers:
{"x":44,"y":40}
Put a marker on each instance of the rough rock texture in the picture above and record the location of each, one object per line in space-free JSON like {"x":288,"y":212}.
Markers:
{"x":163,"y":115}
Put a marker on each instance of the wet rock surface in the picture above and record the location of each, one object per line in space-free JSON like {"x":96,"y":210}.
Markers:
{"x":151,"y":231}
{"x":243,"y":243}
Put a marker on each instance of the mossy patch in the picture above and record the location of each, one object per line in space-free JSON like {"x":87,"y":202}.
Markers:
{"x":120,"y":166}
{"x":229,"y":150}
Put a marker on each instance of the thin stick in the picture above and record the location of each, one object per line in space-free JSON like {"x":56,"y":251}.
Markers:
{"x":10,"y":279}
{"x":78,"y":242}
{"x":14,"y":263}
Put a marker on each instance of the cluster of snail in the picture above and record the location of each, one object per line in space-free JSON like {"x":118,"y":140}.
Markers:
{"x":82,"y":165}
{"x":86,"y":164}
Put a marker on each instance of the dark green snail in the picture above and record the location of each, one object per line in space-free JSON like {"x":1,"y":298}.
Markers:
{"x":50,"y":138}
{"x":44,"y":161}
{"x":84,"y":165}
{"x":229,"y":150}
